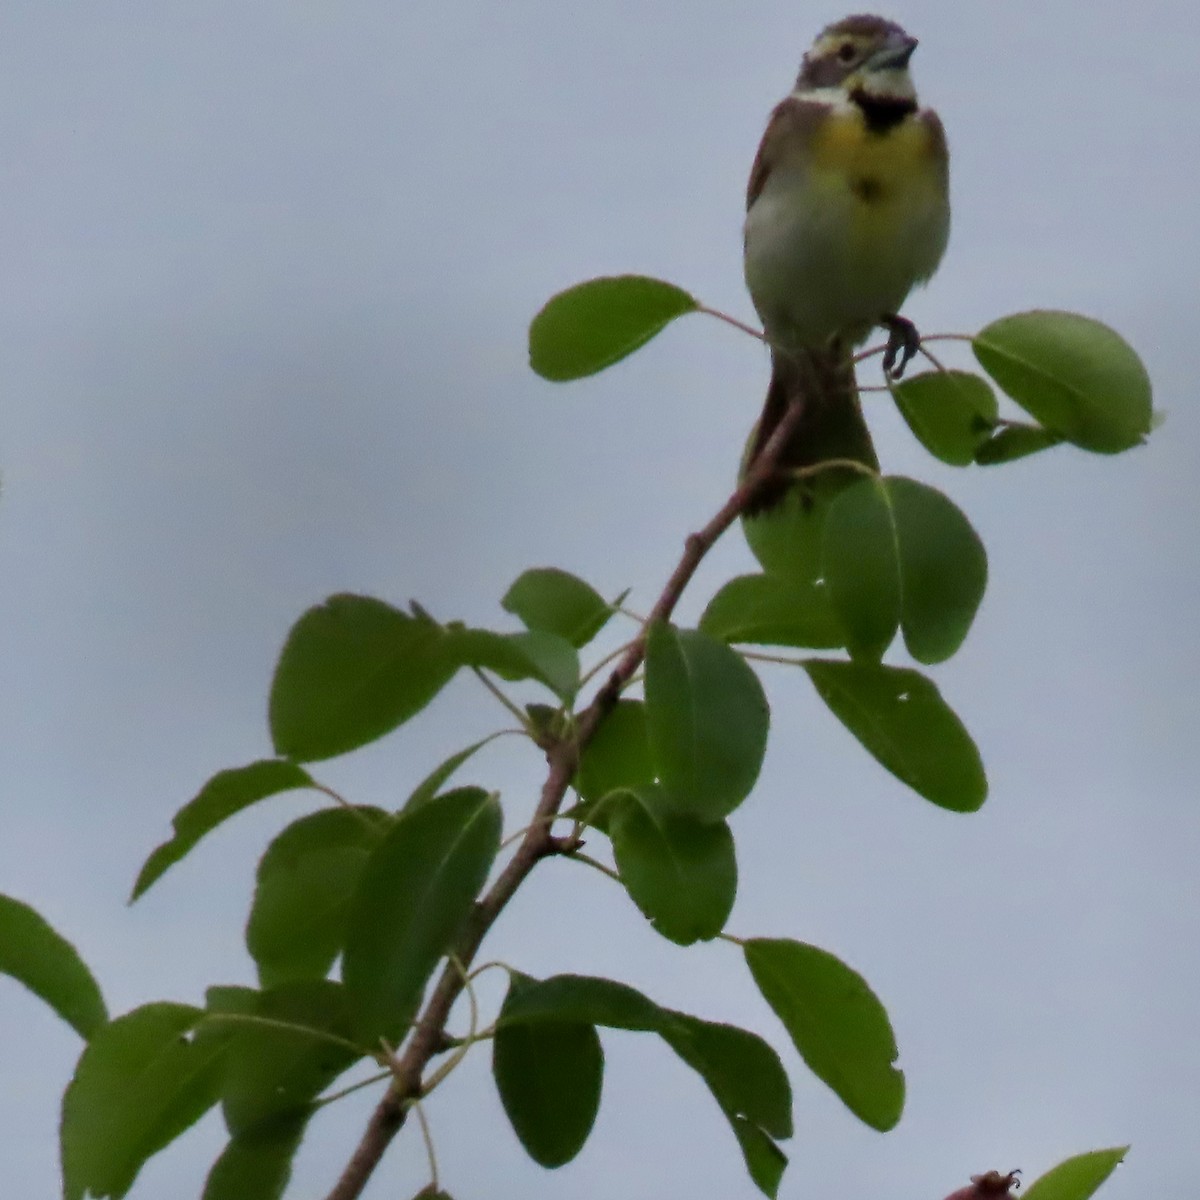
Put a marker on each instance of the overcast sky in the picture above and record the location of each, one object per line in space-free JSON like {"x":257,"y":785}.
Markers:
{"x":265,"y":274}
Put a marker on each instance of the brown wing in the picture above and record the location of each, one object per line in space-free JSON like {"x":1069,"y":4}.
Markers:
{"x":788,"y":133}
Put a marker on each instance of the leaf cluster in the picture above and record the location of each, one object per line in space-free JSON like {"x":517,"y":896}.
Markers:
{"x":365,"y":922}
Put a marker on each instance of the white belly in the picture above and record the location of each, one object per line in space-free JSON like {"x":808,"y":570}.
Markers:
{"x":821,"y":260}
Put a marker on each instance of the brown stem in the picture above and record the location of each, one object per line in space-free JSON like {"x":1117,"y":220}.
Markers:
{"x":538,"y":843}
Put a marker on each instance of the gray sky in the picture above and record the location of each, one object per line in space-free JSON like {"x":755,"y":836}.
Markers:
{"x":266,"y":275}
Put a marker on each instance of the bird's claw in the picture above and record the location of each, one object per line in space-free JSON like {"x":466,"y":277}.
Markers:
{"x":903,"y":342}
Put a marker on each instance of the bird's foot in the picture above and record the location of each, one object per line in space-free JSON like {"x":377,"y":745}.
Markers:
{"x":903,"y":342}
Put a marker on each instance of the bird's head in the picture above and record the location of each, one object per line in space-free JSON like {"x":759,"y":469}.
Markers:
{"x":861,"y":57}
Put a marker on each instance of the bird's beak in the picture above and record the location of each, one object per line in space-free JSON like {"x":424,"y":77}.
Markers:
{"x":896,"y":52}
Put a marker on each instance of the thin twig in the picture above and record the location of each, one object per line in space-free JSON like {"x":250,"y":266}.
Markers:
{"x":772,"y":658}
{"x":494,"y":964}
{"x":538,"y":843}
{"x":369,"y":821}
{"x":336,"y":797}
{"x":947,"y":337}
{"x":472,"y":1032}
{"x":596,"y":864}
{"x":333,"y":1097}
{"x":320,"y":1035}
{"x":929,"y":355}
{"x":834,"y":464}
{"x":869,"y":352}
{"x":498,"y":692}
{"x":520,"y":833}
{"x":872,"y":351}
{"x":714,"y":312}
{"x":636,"y":617}
{"x":472,"y":1000}
{"x":427,"y":1138}
{"x":592,"y":672}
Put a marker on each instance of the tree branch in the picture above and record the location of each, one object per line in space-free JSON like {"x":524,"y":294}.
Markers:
{"x":538,"y":843}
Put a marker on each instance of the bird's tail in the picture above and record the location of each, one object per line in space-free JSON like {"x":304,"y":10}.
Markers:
{"x":831,"y":425}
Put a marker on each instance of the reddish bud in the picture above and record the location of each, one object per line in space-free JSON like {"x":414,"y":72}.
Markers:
{"x":992,"y":1186}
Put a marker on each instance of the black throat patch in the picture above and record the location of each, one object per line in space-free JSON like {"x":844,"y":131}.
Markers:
{"x":882,"y":113}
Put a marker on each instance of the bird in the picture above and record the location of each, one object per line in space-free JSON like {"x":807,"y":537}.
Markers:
{"x":847,"y":209}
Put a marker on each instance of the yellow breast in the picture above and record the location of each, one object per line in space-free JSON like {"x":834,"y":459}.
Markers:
{"x":889,"y":179}
{"x":847,"y":222}
{"x":875,"y":166}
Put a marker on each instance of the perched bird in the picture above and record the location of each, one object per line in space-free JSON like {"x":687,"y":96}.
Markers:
{"x":846,"y":209}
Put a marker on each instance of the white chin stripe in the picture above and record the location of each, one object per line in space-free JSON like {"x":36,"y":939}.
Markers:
{"x":830,"y":97}
{"x":892,"y":83}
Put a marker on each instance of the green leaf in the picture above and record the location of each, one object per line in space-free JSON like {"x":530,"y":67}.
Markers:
{"x":257,"y":1164}
{"x":943,"y":569}
{"x":549,"y":1075}
{"x":591,"y":326}
{"x":681,"y":873}
{"x":140,"y":1082}
{"x":901,"y":719}
{"x":839,"y":1027}
{"x":1076,"y":376}
{"x":741,"y":1069}
{"x":297,"y":924}
{"x":749,"y":1083}
{"x":897,"y":551}
{"x":1077,"y":1178}
{"x":34,"y":954}
{"x":743,"y":1073}
{"x":285,"y":1046}
{"x":708,"y":719}
{"x":546,"y":657}
{"x":557,"y":602}
{"x":1013,"y":441}
{"x":787,"y":540}
{"x":583,"y":999}
{"x":950,"y":413}
{"x":764,"y":1159}
{"x":223,"y":796}
{"x":772,"y":610}
{"x":619,"y":754}
{"x":547,"y":723}
{"x":418,"y":888}
{"x":351,"y":671}
{"x":861,"y":566}
{"x":432,"y":783}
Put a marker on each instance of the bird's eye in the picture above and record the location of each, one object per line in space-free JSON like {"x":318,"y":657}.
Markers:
{"x":846,"y":51}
